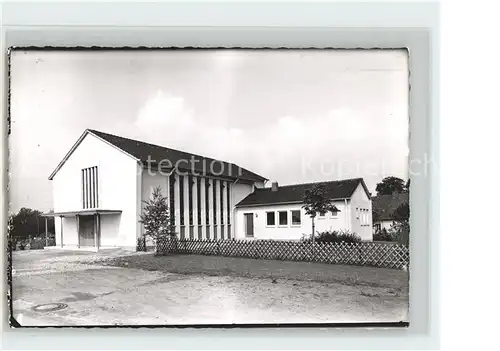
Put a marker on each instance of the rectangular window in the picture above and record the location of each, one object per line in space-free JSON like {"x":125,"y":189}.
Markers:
{"x":198,"y":197}
{"x":283,"y":217}
{"x":321,"y":215}
{"x":270,"y":219}
{"x":207,"y":201}
{"x":357,"y":213}
{"x":296,"y":217}
{"x":181,"y":199}
{"x":90,"y":186}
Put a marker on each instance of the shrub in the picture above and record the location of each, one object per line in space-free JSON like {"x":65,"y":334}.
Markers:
{"x":383,"y":235}
{"x":337,"y":236}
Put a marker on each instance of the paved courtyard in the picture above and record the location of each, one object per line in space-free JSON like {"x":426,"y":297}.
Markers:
{"x":120,"y":288}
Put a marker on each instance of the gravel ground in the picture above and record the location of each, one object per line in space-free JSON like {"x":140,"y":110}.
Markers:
{"x":110,"y":288}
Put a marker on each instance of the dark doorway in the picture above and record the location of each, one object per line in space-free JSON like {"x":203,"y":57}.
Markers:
{"x":87,"y":230}
{"x":249,"y":224}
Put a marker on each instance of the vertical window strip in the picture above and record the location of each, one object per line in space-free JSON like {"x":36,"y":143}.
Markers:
{"x":214,"y":193}
{"x":228,"y":202}
{"x":91,"y":187}
{"x":221,"y":191}
{"x":198,"y":196}
{"x":84,"y":205}
{"x":85,"y":188}
{"x":190,"y":199}
{"x":96,"y":187}
{"x":207,"y":201}
{"x":181,"y":199}
{"x":88,"y":188}
{"x":172,"y":198}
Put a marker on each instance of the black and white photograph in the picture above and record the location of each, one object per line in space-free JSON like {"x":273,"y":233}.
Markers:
{"x":209,"y":187}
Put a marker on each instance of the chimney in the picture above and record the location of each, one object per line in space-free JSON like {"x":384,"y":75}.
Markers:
{"x":274,"y":186}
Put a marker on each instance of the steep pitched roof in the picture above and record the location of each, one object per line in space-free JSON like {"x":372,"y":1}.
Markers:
{"x":338,"y":189}
{"x":385,"y":205}
{"x":146,"y":152}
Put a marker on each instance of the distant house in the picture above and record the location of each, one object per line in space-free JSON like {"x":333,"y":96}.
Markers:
{"x":383,"y":209}
{"x":276,"y":212}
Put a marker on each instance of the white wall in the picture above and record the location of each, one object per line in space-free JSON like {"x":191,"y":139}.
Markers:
{"x":110,"y":225}
{"x":117,"y":188}
{"x":288,"y":232}
{"x":70,"y":232}
{"x":360,"y":200}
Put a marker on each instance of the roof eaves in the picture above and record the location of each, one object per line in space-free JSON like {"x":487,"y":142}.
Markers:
{"x":268,"y":204}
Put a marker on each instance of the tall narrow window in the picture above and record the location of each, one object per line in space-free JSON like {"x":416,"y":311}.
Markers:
{"x":90,"y":188}
{"x":228,"y":203}
{"x":283,"y":217}
{"x":190,"y":199}
{"x":207,"y":202}
{"x":221,"y":191}
{"x":214,"y":193}
{"x":181,"y":199}
{"x":198,"y":197}
{"x":171,"y":191}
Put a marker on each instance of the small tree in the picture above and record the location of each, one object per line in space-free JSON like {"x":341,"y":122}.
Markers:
{"x":401,"y":226}
{"x":156,"y":217}
{"x":316,"y":201}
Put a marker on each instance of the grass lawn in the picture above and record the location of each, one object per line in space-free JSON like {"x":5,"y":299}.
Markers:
{"x":273,"y":269}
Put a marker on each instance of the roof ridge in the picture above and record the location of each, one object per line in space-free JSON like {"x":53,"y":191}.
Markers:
{"x":156,"y":145}
{"x":319,"y":182}
{"x":196,"y":155}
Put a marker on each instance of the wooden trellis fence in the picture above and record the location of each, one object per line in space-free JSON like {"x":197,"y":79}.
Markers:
{"x":363,"y":254}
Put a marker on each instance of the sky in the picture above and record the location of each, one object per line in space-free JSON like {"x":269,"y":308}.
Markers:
{"x":292,"y":116}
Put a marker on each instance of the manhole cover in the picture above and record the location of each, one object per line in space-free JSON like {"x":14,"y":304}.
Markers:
{"x":50,"y":307}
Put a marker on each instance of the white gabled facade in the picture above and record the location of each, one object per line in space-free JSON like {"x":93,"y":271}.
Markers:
{"x":118,"y":182}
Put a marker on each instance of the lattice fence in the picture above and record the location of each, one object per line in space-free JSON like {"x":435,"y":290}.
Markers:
{"x":141,"y":244}
{"x":363,"y":254}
